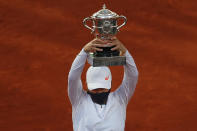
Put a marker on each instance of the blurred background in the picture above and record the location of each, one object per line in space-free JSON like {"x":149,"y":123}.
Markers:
{"x":39,"y":40}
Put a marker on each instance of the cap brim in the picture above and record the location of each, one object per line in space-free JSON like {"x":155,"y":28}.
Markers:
{"x":92,"y":86}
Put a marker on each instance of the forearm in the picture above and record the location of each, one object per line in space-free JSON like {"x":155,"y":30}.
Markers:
{"x":77,"y":66}
{"x":130,"y":69}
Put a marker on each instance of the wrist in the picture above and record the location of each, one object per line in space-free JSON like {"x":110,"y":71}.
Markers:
{"x":83,"y":52}
{"x":85,"y":49}
{"x":123,"y":50}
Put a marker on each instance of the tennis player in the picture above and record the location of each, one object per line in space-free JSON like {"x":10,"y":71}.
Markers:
{"x":99,"y":109}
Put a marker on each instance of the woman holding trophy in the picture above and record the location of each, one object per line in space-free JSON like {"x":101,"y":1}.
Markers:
{"x":99,"y":109}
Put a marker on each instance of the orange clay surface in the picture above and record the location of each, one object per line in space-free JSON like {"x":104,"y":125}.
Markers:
{"x":39,"y":39}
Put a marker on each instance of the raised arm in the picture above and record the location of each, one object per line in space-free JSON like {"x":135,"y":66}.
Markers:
{"x":75,"y":89}
{"x":128,"y":85}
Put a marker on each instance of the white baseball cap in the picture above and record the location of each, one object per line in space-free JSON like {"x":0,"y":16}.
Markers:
{"x":98,"y":77}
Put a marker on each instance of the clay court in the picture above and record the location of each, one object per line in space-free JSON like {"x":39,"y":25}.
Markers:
{"x":39,"y":39}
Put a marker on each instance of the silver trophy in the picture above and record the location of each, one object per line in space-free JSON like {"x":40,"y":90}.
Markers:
{"x":104,"y":26}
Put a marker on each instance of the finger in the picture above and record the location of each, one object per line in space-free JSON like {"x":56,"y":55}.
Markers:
{"x":113,"y":38}
{"x":105,"y":41}
{"x":100,"y":42}
{"x":121,"y":53}
{"x":109,"y":41}
{"x":97,"y":40}
{"x":97,"y":49}
{"x":112,"y":44}
{"x":98,"y":45}
{"x":115,"y":48}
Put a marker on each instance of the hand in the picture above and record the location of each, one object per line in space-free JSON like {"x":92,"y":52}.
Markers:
{"x":94,"y":45}
{"x":118,"y":45}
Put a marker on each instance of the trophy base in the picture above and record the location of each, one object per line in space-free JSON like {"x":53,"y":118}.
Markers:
{"x":109,"y":61}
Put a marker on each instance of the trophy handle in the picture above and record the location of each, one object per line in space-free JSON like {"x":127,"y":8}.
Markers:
{"x":125,"y":20}
{"x":84,"y":23}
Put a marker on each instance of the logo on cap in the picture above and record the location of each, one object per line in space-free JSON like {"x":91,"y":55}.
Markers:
{"x":107,"y":78}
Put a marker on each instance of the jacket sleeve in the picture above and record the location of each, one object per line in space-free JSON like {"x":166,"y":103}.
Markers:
{"x":75,"y":88}
{"x":128,"y":85}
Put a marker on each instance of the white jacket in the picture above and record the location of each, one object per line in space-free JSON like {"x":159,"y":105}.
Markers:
{"x":88,"y":116}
